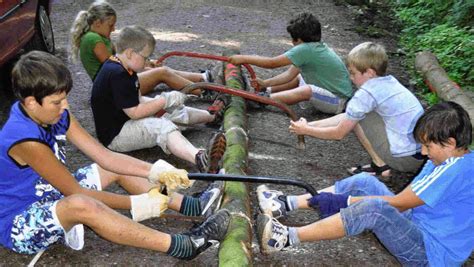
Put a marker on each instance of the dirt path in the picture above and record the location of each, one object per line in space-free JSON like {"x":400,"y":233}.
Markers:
{"x":207,"y":26}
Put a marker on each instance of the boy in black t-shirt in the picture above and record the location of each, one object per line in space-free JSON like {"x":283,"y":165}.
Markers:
{"x":127,"y":121}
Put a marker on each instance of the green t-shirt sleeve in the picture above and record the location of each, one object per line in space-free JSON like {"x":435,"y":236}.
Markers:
{"x":297,"y":55}
{"x":89,"y":60}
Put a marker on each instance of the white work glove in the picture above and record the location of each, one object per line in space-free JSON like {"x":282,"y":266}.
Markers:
{"x":173,"y":99}
{"x":148,"y":205}
{"x":166,"y":174}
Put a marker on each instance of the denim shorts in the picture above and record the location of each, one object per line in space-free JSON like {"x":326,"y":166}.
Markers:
{"x":393,"y":228}
{"x":38,"y":227}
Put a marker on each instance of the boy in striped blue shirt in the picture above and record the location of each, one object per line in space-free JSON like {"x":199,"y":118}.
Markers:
{"x":430,"y":222}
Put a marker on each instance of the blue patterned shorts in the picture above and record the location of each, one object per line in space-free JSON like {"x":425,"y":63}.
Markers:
{"x":38,"y":227}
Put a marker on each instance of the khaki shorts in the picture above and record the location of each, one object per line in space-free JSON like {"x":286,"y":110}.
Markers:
{"x":374,"y":129}
{"x":143,"y":133}
{"x":151,"y":131}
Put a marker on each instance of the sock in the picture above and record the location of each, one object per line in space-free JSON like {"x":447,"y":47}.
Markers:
{"x":181,"y":246}
{"x":190,"y":206}
{"x":293,"y":237}
{"x":292,"y":202}
{"x":204,"y":76}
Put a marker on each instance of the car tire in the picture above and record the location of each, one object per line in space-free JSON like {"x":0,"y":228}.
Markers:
{"x":44,"y":37}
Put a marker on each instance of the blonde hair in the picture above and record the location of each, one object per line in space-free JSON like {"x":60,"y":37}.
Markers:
{"x":135,"y":38}
{"x":99,"y":10}
{"x":368,"y":55}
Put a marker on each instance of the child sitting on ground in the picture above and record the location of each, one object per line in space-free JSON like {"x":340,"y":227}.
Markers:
{"x":382,"y":113}
{"x":316,"y":73}
{"x":90,"y":40}
{"x":42,"y":203}
{"x":429,"y":223}
{"x":125,"y":121}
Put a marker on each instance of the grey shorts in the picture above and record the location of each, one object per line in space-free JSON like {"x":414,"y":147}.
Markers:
{"x":323,"y":100}
{"x":143,"y":133}
{"x":151,"y":131}
{"x":374,"y":129}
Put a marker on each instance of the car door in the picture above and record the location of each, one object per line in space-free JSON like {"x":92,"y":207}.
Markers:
{"x":26,"y":20}
{"x":17,"y":19}
{"x":8,"y":36}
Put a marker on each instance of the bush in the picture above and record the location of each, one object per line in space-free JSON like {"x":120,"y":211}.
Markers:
{"x":442,"y":27}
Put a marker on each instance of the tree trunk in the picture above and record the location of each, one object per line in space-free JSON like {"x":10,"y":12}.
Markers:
{"x":236,"y":248}
{"x":438,"y":81}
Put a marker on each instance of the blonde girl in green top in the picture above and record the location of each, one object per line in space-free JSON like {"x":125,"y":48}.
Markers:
{"x":90,"y":41}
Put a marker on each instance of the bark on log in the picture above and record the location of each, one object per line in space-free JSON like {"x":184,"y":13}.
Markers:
{"x":438,"y":81}
{"x":235,"y":249}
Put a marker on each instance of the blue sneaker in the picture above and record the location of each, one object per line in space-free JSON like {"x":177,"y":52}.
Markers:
{"x":214,"y":228}
{"x":210,"y":199}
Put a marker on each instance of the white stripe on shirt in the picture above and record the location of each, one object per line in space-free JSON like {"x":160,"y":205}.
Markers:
{"x":426,"y":181}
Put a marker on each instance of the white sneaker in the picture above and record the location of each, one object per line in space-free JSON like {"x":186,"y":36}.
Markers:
{"x":273,"y":235}
{"x":272,"y":202}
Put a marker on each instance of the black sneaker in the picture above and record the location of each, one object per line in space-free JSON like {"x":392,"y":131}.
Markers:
{"x":210,"y":160}
{"x":214,"y":228}
{"x":215,"y":74}
{"x":209,"y":199}
{"x":273,"y":235}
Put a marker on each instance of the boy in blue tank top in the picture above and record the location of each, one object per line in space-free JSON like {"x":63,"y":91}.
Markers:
{"x":429,"y":223}
{"x":42,"y":203}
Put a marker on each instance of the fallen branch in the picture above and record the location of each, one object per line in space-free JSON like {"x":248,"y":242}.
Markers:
{"x":438,"y":81}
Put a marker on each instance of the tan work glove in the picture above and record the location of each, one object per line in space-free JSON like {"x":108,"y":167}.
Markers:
{"x":148,"y":205}
{"x":166,"y":174}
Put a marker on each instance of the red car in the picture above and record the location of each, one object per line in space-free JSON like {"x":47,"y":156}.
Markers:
{"x":24,"y":24}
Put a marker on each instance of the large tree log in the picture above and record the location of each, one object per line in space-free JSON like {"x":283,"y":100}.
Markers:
{"x":236,"y":249}
{"x":438,"y":81}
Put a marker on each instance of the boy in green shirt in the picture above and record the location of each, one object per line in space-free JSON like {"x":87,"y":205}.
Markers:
{"x":316,"y":72}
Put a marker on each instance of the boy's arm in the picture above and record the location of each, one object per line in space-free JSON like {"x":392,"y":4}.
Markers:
{"x":146,"y":109}
{"x":263,"y":62}
{"x":407,"y":199}
{"x":40,"y":157}
{"x":282,"y":78}
{"x":107,"y":159}
{"x":152,"y":106}
{"x":336,"y":132}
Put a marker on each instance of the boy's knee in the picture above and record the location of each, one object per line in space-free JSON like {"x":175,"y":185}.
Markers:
{"x":359,"y":181}
{"x":376,"y":208}
{"x":306,"y":91}
{"x":365,"y":180}
{"x":164,"y":71}
{"x":367,"y":214}
{"x":82,"y":206}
